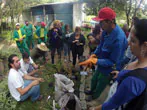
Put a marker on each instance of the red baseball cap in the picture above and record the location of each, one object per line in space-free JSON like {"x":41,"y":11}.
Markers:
{"x":105,"y":13}
{"x":43,"y":24}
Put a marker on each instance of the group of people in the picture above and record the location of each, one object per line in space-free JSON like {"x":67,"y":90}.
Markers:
{"x":23,"y":81}
{"x":109,"y":55}
{"x":108,"y":49}
{"x":57,"y":38}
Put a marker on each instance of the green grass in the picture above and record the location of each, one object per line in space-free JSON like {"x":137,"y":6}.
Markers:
{"x":47,"y":88}
{"x":7,"y":35}
{"x":44,"y":104}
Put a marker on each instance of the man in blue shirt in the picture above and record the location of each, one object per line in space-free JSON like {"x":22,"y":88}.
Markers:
{"x":108,"y":54}
{"x":131,"y":90}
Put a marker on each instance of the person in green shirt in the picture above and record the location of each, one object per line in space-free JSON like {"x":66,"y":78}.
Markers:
{"x":41,"y":33}
{"x":37,"y":25}
{"x":29,"y":34}
{"x":19,"y":36}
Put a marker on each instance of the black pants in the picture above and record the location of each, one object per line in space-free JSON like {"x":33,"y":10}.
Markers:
{"x":77,"y":51}
{"x":53,"y":50}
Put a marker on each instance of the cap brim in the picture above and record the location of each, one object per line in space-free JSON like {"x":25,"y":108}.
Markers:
{"x":97,"y":19}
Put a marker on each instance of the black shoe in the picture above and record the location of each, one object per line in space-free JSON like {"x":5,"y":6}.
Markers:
{"x":40,"y":98}
{"x":89,"y":98}
{"x":74,"y":77}
{"x":88,"y":92}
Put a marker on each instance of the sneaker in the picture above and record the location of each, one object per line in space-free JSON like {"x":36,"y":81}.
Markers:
{"x":65,"y":60}
{"x":40,"y":98}
{"x":89,"y":98}
{"x":83,"y":73}
{"x":69,"y":60}
{"x":88,"y":92}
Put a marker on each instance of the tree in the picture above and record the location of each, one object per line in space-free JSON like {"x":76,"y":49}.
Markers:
{"x":93,"y":6}
{"x":129,"y":7}
{"x":3,"y":3}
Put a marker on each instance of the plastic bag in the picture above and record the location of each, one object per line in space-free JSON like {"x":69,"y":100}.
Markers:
{"x":70,"y":101}
{"x":64,"y":93}
{"x":62,"y":85}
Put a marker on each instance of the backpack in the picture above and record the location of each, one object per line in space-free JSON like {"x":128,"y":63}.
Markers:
{"x":139,"y":102}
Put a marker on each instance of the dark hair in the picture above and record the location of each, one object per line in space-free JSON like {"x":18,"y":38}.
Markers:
{"x":141,"y":30}
{"x":10,"y":60}
{"x":25,"y":55}
{"x":77,"y":29}
{"x":90,"y":35}
{"x":66,"y":25}
{"x":97,"y":30}
{"x":135,"y":19}
{"x":77,"y":34}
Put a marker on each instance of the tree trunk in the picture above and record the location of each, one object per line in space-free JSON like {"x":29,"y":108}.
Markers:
{"x":18,"y":19}
{"x":137,"y":8}
{"x":128,"y":21}
{"x":12,"y":22}
{"x":128,"y":10}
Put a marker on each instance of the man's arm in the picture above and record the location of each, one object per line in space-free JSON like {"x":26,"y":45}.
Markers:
{"x":15,"y":37}
{"x":27,"y":77}
{"x":35,"y":66}
{"x":23,"y":33}
{"x":33,"y":63}
{"x":32,"y":73}
{"x":22,"y":91}
{"x":114,"y":57}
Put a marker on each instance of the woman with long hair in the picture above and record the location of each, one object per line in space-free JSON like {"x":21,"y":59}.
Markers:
{"x":77,"y":42}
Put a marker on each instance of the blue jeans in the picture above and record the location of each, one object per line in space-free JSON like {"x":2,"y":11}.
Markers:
{"x":34,"y":92}
{"x":31,"y":68}
{"x":66,"y":49}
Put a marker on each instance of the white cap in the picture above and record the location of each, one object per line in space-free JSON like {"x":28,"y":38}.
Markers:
{"x":17,"y":24}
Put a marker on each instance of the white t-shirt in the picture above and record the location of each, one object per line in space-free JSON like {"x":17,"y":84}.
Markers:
{"x":25,"y":66}
{"x":15,"y":80}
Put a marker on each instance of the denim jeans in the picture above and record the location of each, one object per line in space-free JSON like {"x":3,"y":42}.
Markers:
{"x":31,"y":68}
{"x":66,"y":49}
{"x":34,"y":92}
